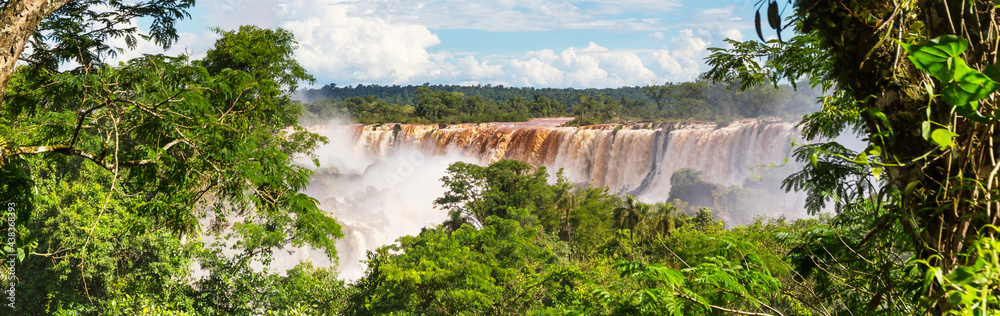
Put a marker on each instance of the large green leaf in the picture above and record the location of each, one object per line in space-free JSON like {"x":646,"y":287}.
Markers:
{"x":966,"y":86}
{"x":938,"y":56}
{"x":943,"y":138}
{"x":963,"y":86}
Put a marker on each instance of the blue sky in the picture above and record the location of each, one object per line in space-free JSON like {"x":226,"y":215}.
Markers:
{"x":539,"y":43}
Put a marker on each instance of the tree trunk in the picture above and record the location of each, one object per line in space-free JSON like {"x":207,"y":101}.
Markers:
{"x":18,"y":21}
{"x":947,"y":200}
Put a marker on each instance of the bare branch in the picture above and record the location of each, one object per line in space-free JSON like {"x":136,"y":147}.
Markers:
{"x":734,"y":311}
{"x":8,"y":152}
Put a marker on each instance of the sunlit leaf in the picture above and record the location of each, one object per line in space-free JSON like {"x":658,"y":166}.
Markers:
{"x":967,"y":86}
{"x":937,"y":56}
{"x":943,"y":138}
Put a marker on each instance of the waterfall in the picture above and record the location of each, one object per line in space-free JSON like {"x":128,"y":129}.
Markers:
{"x":380,"y":181}
{"x":626,"y":159}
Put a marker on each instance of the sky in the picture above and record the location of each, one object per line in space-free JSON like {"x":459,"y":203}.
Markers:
{"x":521,"y":43}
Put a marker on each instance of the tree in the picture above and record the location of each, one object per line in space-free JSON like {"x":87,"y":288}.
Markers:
{"x":760,"y":101}
{"x":263,"y":53}
{"x":172,"y":143}
{"x":19,"y":20}
{"x":659,"y":94}
{"x":476,"y":192}
{"x":686,"y":185}
{"x":629,"y":214}
{"x":504,"y":268}
{"x":930,"y":120}
{"x":78,"y":30}
{"x":90,"y":270}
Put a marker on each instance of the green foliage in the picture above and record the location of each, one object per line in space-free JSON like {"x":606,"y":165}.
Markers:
{"x":627,"y":258}
{"x":893,"y":198}
{"x":232,"y":287}
{"x":500,"y":269}
{"x":742,"y":65}
{"x":118,"y":166}
{"x":664,"y":298}
{"x":589,"y":221}
{"x":688,"y":272}
{"x":591,"y":110}
{"x":970,"y":288}
{"x":963,"y":86}
{"x":16,"y":190}
{"x":310,"y":290}
{"x":477,"y":193}
{"x":80,"y":31}
{"x":973,"y":288}
{"x":93,"y":253}
{"x":580,"y":216}
{"x":262,"y":53}
{"x":698,"y":100}
{"x":825,"y":176}
{"x":548,"y":101}
{"x":173,"y":132}
{"x":692,"y":290}
{"x":686,"y":185}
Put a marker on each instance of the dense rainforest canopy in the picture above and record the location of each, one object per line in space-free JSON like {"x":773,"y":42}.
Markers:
{"x":163,"y":184}
{"x":408,"y":94}
{"x":699,"y":100}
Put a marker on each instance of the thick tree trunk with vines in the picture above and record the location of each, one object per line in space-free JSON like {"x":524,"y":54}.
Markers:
{"x":947,"y":199}
{"x":18,"y":21}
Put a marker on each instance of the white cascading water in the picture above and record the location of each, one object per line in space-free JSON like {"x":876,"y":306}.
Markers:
{"x":381,"y":181}
{"x":614,"y":157}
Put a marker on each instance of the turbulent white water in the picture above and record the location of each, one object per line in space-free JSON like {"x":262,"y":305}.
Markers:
{"x":381,"y":181}
{"x":630,"y":160}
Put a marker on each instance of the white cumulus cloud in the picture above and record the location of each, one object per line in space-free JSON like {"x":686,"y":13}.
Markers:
{"x":332,"y":40}
{"x":394,"y":41}
{"x":590,"y":66}
{"x":682,"y":59}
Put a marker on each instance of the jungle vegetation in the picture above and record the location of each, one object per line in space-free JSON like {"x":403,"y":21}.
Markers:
{"x":699,"y":100}
{"x":121,"y":178}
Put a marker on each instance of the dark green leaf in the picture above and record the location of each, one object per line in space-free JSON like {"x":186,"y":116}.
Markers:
{"x":992,"y":71}
{"x":756,"y":23}
{"x":773,"y":16}
{"x":966,"y":86}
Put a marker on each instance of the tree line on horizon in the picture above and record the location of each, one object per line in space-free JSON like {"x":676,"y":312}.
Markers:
{"x":697,"y":100}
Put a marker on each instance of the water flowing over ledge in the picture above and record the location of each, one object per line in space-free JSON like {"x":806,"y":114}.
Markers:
{"x":632,"y":159}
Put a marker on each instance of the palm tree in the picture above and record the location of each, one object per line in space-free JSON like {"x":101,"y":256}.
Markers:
{"x":630,"y":214}
{"x":663,"y":220}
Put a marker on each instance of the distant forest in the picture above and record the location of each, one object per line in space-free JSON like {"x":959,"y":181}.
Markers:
{"x":408,"y":94}
{"x":698,"y":100}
